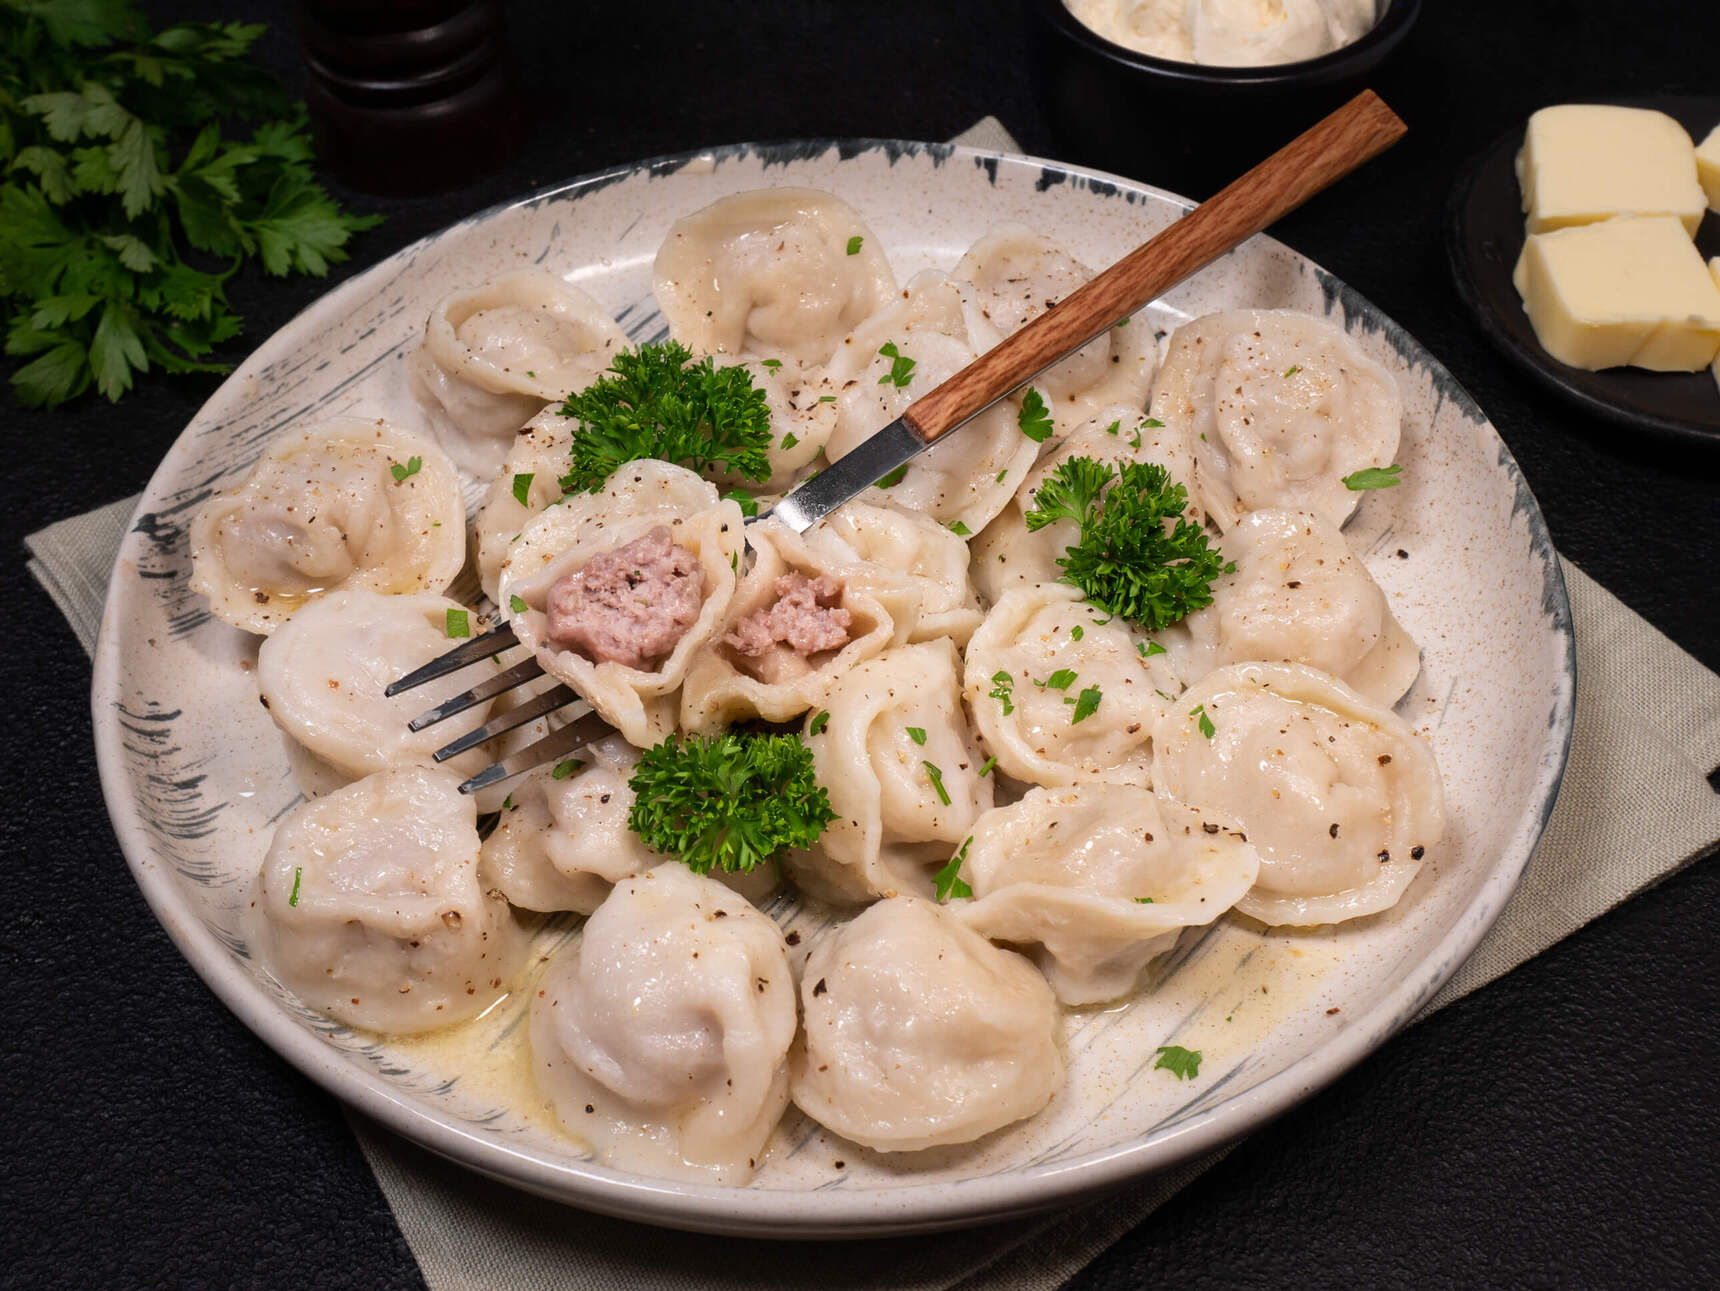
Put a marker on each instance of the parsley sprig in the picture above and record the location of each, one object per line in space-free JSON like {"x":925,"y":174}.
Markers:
{"x":1127,"y":561}
{"x":130,"y":195}
{"x":657,"y":402}
{"x":728,"y":802}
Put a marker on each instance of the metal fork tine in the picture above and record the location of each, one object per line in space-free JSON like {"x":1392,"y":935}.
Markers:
{"x":479,"y":647}
{"x":573,"y":736}
{"x":529,"y":711}
{"x":488,"y":688}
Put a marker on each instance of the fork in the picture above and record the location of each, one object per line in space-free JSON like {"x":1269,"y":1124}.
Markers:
{"x":1357,"y":132}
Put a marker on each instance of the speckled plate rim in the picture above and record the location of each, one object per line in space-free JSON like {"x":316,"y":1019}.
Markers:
{"x":829,"y":1214}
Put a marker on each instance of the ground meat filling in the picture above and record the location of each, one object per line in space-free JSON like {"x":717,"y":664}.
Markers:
{"x":805,"y":618}
{"x":630,"y":606}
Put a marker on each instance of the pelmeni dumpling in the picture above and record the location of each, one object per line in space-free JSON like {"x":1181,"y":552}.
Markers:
{"x":769,"y":273}
{"x":562,"y":838}
{"x":802,"y":403}
{"x":1006,"y":555}
{"x":350,"y":503}
{"x":661,"y":1036}
{"x":797,"y":623}
{"x":910,"y":549}
{"x":322,"y":675}
{"x":1060,"y":691}
{"x":620,"y":588}
{"x":892,"y":748}
{"x":529,"y":481}
{"x":1010,"y":277}
{"x":1279,"y":407}
{"x":369,"y":907}
{"x":493,"y":356}
{"x":965,"y":478}
{"x":920,"y":1032}
{"x":1099,"y":879}
{"x":1340,"y":796}
{"x":1300,"y":595}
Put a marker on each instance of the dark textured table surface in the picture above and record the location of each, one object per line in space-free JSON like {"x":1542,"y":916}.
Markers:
{"x":1558,"y":1128}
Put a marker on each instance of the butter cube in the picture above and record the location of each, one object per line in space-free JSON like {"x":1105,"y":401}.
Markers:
{"x":1582,"y":163}
{"x":1708,"y":168}
{"x":1623,"y":291}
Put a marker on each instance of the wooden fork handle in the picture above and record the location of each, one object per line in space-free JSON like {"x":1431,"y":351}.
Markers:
{"x":1357,"y":132}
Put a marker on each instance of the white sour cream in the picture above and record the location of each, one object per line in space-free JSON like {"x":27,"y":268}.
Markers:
{"x":1229,"y":33}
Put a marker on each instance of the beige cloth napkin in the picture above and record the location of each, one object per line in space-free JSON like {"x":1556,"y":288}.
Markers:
{"x":1635,"y":807}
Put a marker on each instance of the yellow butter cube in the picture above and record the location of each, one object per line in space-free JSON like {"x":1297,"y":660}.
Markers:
{"x":1582,"y":163}
{"x":1627,"y":291}
{"x":1708,"y":168}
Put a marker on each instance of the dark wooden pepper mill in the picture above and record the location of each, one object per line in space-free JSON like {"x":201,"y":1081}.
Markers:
{"x":409,"y":97}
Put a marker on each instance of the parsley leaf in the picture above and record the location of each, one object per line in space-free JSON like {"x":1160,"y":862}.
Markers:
{"x":1126,"y":560}
{"x":1150,"y":648}
{"x":517,"y":604}
{"x":901,"y":366}
{"x":1062,"y":679}
{"x":949,"y":881}
{"x":1203,"y":721}
{"x":523,"y":487}
{"x":412,"y":467}
{"x":1182,"y":1063}
{"x":959,"y":529}
{"x":789,"y":441}
{"x":1077,"y":632}
{"x":658,"y":402}
{"x":1034,"y":419}
{"x":298,"y":873}
{"x":854,"y":244}
{"x":1374,"y":477}
{"x":728,"y":802}
{"x":935,"y":774}
{"x":894,"y":478}
{"x":1086,"y":705}
{"x":459,"y":624}
{"x":564,"y":769}
{"x":820,"y":720}
{"x":917,"y":734}
{"x":1003,"y":690}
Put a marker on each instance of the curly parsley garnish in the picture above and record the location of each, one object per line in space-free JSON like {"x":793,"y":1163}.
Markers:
{"x":1126,"y":561}
{"x":657,"y":402}
{"x":728,"y":802}
{"x":1034,"y":419}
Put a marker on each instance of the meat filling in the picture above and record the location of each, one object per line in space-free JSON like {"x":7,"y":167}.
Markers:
{"x":630,"y":606}
{"x":805,"y":618}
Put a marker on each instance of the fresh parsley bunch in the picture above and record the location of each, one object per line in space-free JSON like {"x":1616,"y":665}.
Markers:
{"x":126,"y":206}
{"x":729,"y":802}
{"x":1128,"y":561}
{"x":656,"y":402}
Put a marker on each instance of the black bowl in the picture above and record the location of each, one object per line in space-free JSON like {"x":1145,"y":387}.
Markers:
{"x":1184,"y":126}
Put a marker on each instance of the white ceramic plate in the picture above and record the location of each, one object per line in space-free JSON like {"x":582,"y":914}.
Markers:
{"x":195,"y":774}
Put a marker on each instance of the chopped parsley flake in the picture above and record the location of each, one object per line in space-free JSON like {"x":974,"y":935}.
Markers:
{"x":1001,"y":474}
{"x":1153,"y":423}
{"x":935,"y":774}
{"x":1034,"y":419}
{"x":826,"y":398}
{"x":298,"y":873}
{"x":960,"y":529}
{"x":564,"y":769}
{"x":854,"y":244}
{"x":517,"y":604}
{"x":949,"y":880}
{"x":901,"y":366}
{"x":789,"y":441}
{"x":1113,"y":428}
{"x":1374,"y":477}
{"x":1292,"y":370}
{"x":1182,"y":1063}
{"x":1086,"y":705}
{"x":1145,"y":900}
{"x":985,"y":770}
{"x":1076,"y":632}
{"x":1198,"y":712}
{"x":820,"y":720}
{"x":523,"y":487}
{"x":1150,"y":648}
{"x":1062,"y":679}
{"x":412,"y":467}
{"x":1002,"y":690}
{"x":894,"y":478}
{"x":508,"y":803}
{"x":772,"y":364}
{"x":918,"y":735}
{"x":459,"y":624}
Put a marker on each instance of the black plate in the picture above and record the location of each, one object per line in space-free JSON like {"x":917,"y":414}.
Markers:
{"x":1483,"y":236}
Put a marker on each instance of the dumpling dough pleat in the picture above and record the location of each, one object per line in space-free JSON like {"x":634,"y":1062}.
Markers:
{"x":913,"y":550}
{"x":494,"y":356}
{"x":1279,"y":407}
{"x":539,"y":456}
{"x":892,"y":821}
{"x":661,"y":1036}
{"x":638,"y":498}
{"x":1339,"y":796}
{"x":369,"y":908}
{"x":1299,"y":594}
{"x":322,"y":510}
{"x":1024,"y":700}
{"x":724,"y":685}
{"x":323,"y":673}
{"x":769,"y":273}
{"x":1099,"y":879}
{"x":920,"y":1032}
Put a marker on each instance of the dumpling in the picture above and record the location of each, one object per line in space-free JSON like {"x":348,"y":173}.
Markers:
{"x":778,"y":273}
{"x":369,"y":909}
{"x":796,"y":624}
{"x":620,"y":588}
{"x":350,"y":503}
{"x":1300,"y":595}
{"x":1340,"y":796}
{"x":802,"y":403}
{"x":1006,"y":555}
{"x":322,"y":674}
{"x":1010,"y":277}
{"x":661,"y":1036}
{"x":920,"y":1032}
{"x":1099,"y":879}
{"x":494,"y":356}
{"x":1061,"y":692}
{"x":912,"y":550}
{"x":562,"y":838}
{"x":529,"y":481}
{"x":965,"y":478}
{"x":893,"y":750}
{"x":1279,"y":407}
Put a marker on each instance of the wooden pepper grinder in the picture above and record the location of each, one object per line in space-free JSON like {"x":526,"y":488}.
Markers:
{"x":410,"y":97}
